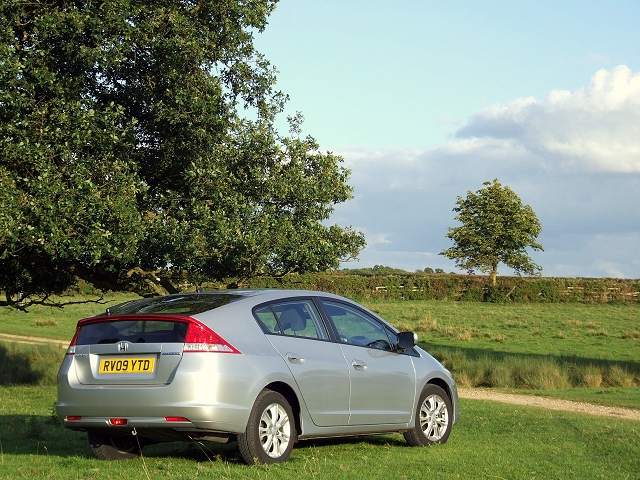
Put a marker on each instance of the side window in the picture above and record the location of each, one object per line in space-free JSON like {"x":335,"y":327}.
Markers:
{"x":267,"y":320}
{"x":356,"y":327}
{"x":299,"y":318}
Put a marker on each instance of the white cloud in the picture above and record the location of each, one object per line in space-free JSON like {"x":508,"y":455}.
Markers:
{"x":593,"y":128}
{"x":610,"y":269}
{"x":375,"y":238}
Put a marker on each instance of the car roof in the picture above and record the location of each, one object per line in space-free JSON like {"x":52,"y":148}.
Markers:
{"x":192,"y":303}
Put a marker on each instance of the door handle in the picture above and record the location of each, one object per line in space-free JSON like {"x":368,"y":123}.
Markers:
{"x":295,"y":358}
{"x":359,"y":365}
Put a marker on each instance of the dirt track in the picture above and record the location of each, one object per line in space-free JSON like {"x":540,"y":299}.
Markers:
{"x":33,"y":340}
{"x":471,"y":393}
{"x":550,"y":403}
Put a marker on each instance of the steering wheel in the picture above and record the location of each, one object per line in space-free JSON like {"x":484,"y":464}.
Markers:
{"x":379,"y":344}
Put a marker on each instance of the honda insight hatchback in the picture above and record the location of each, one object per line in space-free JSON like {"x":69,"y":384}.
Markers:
{"x":264,"y":368}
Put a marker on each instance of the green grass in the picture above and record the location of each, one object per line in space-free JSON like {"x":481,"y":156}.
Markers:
{"x":22,"y":364}
{"x":574,"y":350}
{"x":598,"y":331}
{"x":54,"y":322}
{"x":542,"y":347}
{"x":492,"y":440}
{"x":595,"y":331}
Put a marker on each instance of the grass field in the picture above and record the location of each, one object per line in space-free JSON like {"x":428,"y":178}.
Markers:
{"x":477,"y":341}
{"x":491,"y":441}
{"x":53,"y":322}
{"x":577,"y":351}
{"x":605,"y":331}
{"x":597,"y":331}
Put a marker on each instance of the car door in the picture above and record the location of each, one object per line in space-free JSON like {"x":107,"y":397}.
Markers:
{"x":296,"y":330}
{"x":382,"y":380}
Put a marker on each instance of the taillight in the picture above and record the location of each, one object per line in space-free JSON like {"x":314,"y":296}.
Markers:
{"x":201,"y":338}
{"x":72,"y":346}
{"x":118,"y":422}
{"x":176,"y":419}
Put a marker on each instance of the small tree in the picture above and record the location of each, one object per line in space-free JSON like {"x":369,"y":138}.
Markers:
{"x":496,"y":228}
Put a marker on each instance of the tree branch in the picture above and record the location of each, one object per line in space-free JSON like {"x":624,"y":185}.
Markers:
{"x":24,"y":303}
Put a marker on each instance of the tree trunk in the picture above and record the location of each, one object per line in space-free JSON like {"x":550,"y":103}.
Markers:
{"x":494,"y":274}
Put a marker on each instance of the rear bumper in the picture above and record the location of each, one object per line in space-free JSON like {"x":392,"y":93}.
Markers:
{"x":215,"y":392}
{"x":156,"y":429}
{"x":213,"y":418}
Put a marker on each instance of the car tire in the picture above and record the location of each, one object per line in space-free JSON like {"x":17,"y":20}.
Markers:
{"x":108,"y":447}
{"x":270,"y":432}
{"x":434,"y":418}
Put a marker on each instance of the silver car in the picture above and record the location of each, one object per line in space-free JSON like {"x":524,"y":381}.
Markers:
{"x":264,"y":368}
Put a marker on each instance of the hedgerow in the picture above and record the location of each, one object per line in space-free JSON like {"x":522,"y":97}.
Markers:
{"x":452,"y":287}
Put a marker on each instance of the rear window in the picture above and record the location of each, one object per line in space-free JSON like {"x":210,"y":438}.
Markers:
{"x":179,"y":304}
{"x":134,"y":331}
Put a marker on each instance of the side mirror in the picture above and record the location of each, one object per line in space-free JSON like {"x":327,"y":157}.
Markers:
{"x":406,"y":340}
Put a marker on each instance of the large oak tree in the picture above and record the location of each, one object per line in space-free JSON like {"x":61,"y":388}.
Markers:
{"x":137,"y":138}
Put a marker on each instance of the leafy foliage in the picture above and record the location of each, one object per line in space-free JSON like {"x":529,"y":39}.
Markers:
{"x":375,"y":270}
{"x":496,"y":228}
{"x":466,"y":288}
{"x":126,"y":149}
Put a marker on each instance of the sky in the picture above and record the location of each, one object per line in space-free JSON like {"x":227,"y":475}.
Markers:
{"x":427,"y":100}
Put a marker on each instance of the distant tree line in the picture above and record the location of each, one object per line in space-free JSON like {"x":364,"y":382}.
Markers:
{"x":384,"y":270}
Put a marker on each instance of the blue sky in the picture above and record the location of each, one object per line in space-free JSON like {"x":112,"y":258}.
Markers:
{"x":427,"y":100}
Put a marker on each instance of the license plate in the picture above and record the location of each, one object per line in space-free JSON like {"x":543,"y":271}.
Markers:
{"x":127,"y":365}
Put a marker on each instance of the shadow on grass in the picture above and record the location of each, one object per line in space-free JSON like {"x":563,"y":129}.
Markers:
{"x":23,"y":364}
{"x":376,"y":440}
{"x":490,"y":368}
{"x":476,"y":353}
{"x":30,"y":434}
{"x":17,"y":368}
{"x":39,"y":434}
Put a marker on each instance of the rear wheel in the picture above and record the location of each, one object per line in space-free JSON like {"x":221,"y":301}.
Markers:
{"x":111,"y":447}
{"x":434,"y":417}
{"x":270,"y":432}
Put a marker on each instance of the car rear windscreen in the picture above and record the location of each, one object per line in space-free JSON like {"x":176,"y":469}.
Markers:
{"x":134,"y":331}
{"x":179,"y":304}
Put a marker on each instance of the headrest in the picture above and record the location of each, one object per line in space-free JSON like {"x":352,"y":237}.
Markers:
{"x":291,"y":319}
{"x":332,"y":310}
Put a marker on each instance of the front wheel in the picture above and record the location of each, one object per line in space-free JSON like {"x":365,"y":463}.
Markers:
{"x":270,"y":432}
{"x":434,"y":417}
{"x":108,"y":447}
